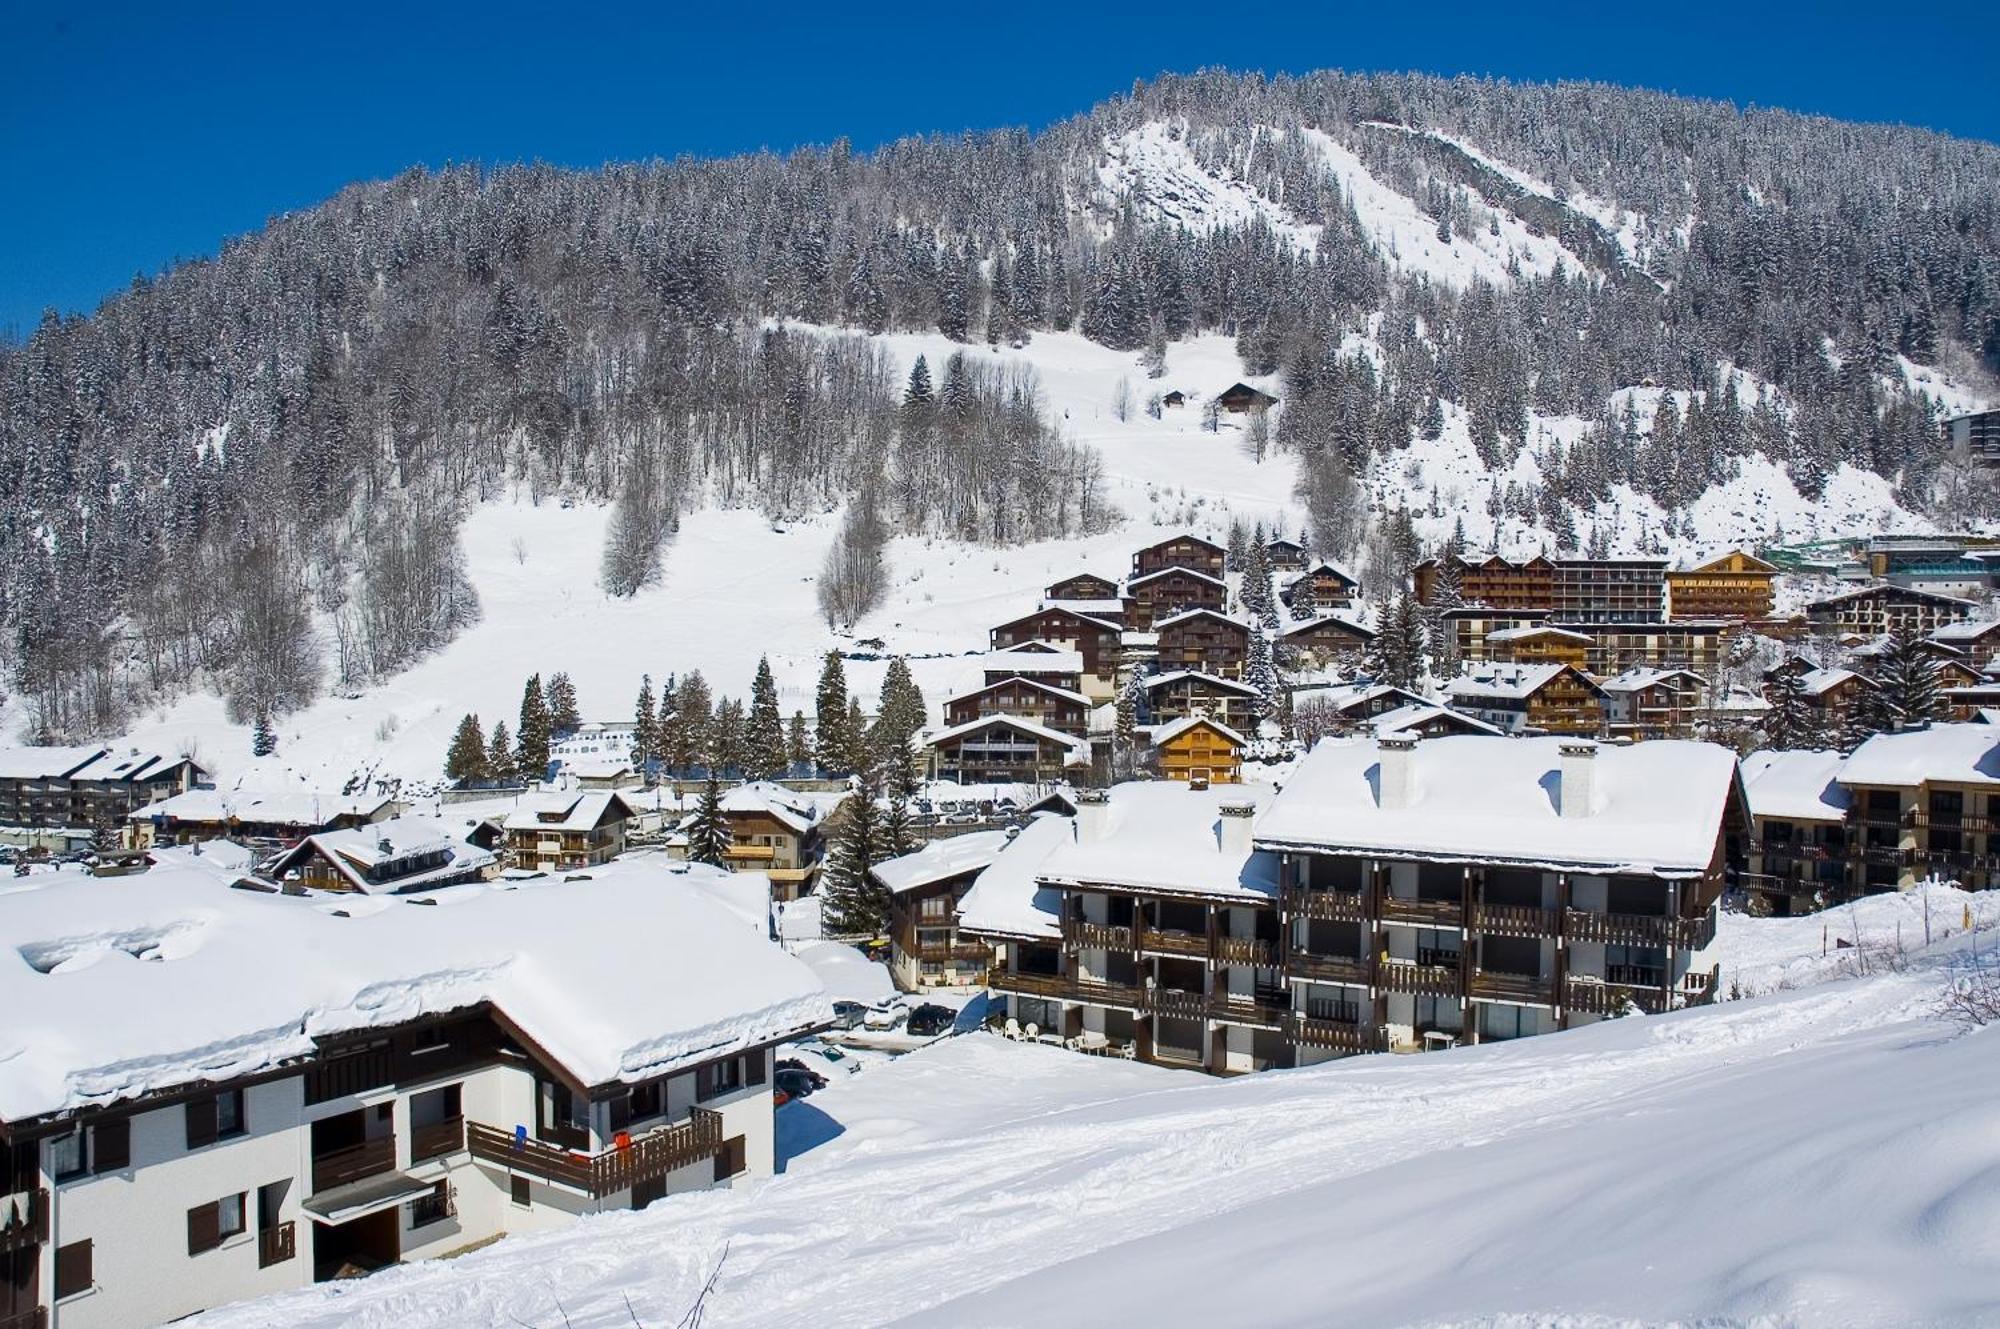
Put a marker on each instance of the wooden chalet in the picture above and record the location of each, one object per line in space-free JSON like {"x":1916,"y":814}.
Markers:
{"x":1158,"y":595}
{"x":1057,"y":666}
{"x":1057,"y":708}
{"x":1472,"y":627}
{"x":1540,"y":643}
{"x":1332,"y":588}
{"x":1530,"y":699}
{"x":1350,"y":706}
{"x":564,"y":832}
{"x":1181,"y":551}
{"x":1427,"y":720}
{"x":1186,"y":692}
{"x":1097,"y":641}
{"x":272,"y":820}
{"x":1323,"y":641}
{"x":1870,"y":611}
{"x":1977,"y":639}
{"x":1200,"y":751}
{"x":1205,"y":640}
{"x":1832,"y":694}
{"x":1241,"y":398}
{"x":1737,"y":586}
{"x":1654,"y":703}
{"x":1082,"y":586}
{"x":924,"y":888}
{"x":1003,"y":749}
{"x":1285,"y":555}
{"x":1174,"y":398}
{"x":1494,"y":582}
{"x":407,"y":853}
{"x":777,"y":831}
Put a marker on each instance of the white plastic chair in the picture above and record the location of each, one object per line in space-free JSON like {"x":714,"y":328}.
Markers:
{"x":1033,"y":1033}
{"x":1012,"y":1029}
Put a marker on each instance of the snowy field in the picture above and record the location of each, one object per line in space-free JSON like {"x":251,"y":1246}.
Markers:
{"x":1825,"y":1155}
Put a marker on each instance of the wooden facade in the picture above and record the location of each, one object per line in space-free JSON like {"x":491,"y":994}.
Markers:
{"x":1181,"y":551}
{"x":1180,"y":695}
{"x":1532,"y":699}
{"x":1545,"y":643}
{"x":1001,"y":749}
{"x":1159,"y":595}
{"x":1494,"y":582}
{"x":1099,"y":643}
{"x":1332,"y":588}
{"x":1082,"y":586}
{"x":1735,"y":586}
{"x":1200,"y":752}
{"x":1285,"y":555}
{"x":1205,"y":640}
{"x":1241,"y":398}
{"x":1327,"y":640}
{"x":926,"y":948}
{"x":1056,"y":708}
{"x":564,"y":835}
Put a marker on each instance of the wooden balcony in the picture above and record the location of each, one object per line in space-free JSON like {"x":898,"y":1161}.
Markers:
{"x":1336,"y":1034}
{"x":648,"y":1156}
{"x":275,"y":1245}
{"x":1176,"y":1003}
{"x":1082,"y":936}
{"x":1326,"y":906}
{"x":437,"y":1139}
{"x":1174,"y":941}
{"x":1420,"y":913}
{"x":341,"y":1166}
{"x":1419,"y":980}
{"x":1065,"y":987}
{"x":1243,"y":950}
{"x":33,"y":1227}
{"x":1262,"y":1010}
{"x":1597,"y":998}
{"x":1639,"y":929}
{"x":1515,"y":920}
{"x":1327,"y":968}
{"x":1521,"y":989}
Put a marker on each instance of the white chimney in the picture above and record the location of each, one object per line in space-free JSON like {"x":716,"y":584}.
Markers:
{"x":1236,"y":816}
{"x":1575,"y":786}
{"x":1093,"y":815}
{"x":1395,"y":772}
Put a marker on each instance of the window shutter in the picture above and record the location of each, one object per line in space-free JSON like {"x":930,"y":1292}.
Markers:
{"x":731,"y":1158}
{"x":621,"y":1111}
{"x":204,"y":1228}
{"x":200,"y":1122}
{"x":753,"y":1068}
{"x":73,"y":1269}
{"x":113,"y":1145}
{"x":704,"y":1083}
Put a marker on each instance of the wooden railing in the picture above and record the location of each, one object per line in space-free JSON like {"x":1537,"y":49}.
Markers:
{"x":1639,"y":929}
{"x":1079,"y":935}
{"x":275,"y":1245}
{"x":1243,"y":950}
{"x":340,"y":1166}
{"x":33,"y":1227}
{"x":1065,"y":987}
{"x":1174,"y":941}
{"x":941,"y":951}
{"x":1580,"y":994}
{"x":1492,"y":985}
{"x":648,"y":1156}
{"x":1419,"y":980}
{"x":1336,"y":1034}
{"x":1421,"y":913}
{"x":347,"y":1073}
{"x":1326,"y":906}
{"x":1515,"y":920}
{"x":437,"y":1139}
{"x":1175,"y":1002}
{"x":1266,"y":1011}
{"x":1327,"y":968}
{"x":37,"y":1318}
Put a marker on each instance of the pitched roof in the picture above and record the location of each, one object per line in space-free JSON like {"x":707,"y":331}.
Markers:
{"x":1327,"y":621}
{"x":1061,"y":694}
{"x":1167,"y":733}
{"x":799,"y":812}
{"x":565,"y":812}
{"x":1175,"y":571}
{"x":1166,"y":835}
{"x":89,"y":761}
{"x":279,"y":807}
{"x":941,"y":860}
{"x":357,"y":851}
{"x":1216,"y":681}
{"x":1161,"y":624}
{"x":1913,"y":592}
{"x":1956,"y":753}
{"x":1006,"y":899}
{"x":1965,"y":629}
{"x":1201,"y":540}
{"x":1079,"y":750}
{"x":1795,"y":785}
{"x":1418,"y":714}
{"x":1027,"y":618}
{"x":1513,"y":681}
{"x":1347,"y":696}
{"x":1539,"y":630}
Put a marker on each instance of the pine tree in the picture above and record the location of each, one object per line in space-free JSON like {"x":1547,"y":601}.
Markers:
{"x":856,"y":905}
{"x":708,"y":834}
{"x":667,"y":727}
{"x":645,"y":727}
{"x":1396,"y":656}
{"x":860,"y":756}
{"x":727,"y":737}
{"x":500,"y":754}
{"x":833,"y":746}
{"x":263,"y":742}
{"x":1907,"y":677}
{"x":1130,"y":698}
{"x":693,"y":716}
{"x":764,"y":731}
{"x":465,"y":759}
{"x":1305,"y":599}
{"x":531,"y":737}
{"x":1792,"y":722}
{"x":1261,"y":674}
{"x":798,"y":747}
{"x":899,"y":771}
{"x":902,"y":711}
{"x":564,"y":718}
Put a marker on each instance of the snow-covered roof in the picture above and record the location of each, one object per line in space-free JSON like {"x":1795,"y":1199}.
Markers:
{"x":1186,"y":614}
{"x":355,"y":852}
{"x":120,"y":986}
{"x":1964,"y":630}
{"x":1512,"y":681}
{"x":941,"y":860}
{"x":1347,"y":696}
{"x":1954,"y":753}
{"x":88,"y":761}
{"x":1015,"y":660}
{"x":1088,"y":608}
{"x":277,"y":807}
{"x":1156,"y":681}
{"x":1538,"y":630}
{"x":1079,"y":750}
{"x":1107,"y":624}
{"x":1420,"y":713}
{"x":1175,"y":570}
{"x":1061,"y":694}
{"x":1167,"y":733}
{"x":1006,"y":899}
{"x":1654,"y":807}
{"x":564,"y":812}
{"x":1816,"y":681}
{"x":798,"y":812}
{"x":1167,"y":836}
{"x":1639,"y":677}
{"x":1860,"y":592}
{"x":219,"y":855}
{"x":1795,"y":785}
{"x":1326,"y":620}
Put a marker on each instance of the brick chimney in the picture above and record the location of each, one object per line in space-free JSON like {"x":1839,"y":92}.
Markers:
{"x":1577,"y":783}
{"x":1395,"y":772}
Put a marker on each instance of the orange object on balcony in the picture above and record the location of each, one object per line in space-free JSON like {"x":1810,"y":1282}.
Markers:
{"x":622,"y":1140}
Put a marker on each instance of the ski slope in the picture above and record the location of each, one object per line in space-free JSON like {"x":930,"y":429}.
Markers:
{"x":1828,"y":1155}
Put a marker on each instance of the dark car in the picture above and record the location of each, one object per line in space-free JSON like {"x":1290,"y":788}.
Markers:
{"x":929,"y":1019}
{"x":794,"y":1084}
{"x":794,"y":1064}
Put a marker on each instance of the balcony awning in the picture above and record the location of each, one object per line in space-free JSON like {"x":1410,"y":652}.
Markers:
{"x":370,"y":1195}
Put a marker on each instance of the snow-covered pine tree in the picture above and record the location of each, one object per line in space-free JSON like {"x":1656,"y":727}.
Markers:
{"x":465,"y":759}
{"x":727,"y":743}
{"x":1906,"y":676}
{"x":833,"y":746}
{"x":564,"y":717}
{"x":798,"y":745}
{"x":500,"y":754}
{"x":708,"y":834}
{"x":860,"y":756}
{"x":856,"y":906}
{"x":902,"y":712}
{"x":263,"y":742}
{"x":531,"y":737}
{"x":693,"y":718}
{"x":1792,"y":722}
{"x":764,"y":735}
{"x":1305,"y":599}
{"x":645,"y":727}
{"x":1260,"y":673}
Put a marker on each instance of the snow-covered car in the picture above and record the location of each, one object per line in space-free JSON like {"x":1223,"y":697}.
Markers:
{"x":886,"y":1015}
{"x":848,"y":1014}
{"x":930,"y":1019}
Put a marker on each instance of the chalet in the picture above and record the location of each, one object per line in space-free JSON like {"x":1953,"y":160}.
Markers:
{"x":407,"y":853}
{"x":1285,"y":555}
{"x":1117,"y":610}
{"x":1175,"y":398}
{"x":1199,"y":751}
{"x":1331,"y":587}
{"x":1736,"y":585}
{"x":1978,"y":639}
{"x":1056,"y":708}
{"x":1159,"y":595}
{"x":567,"y":831}
{"x":1095,"y":640}
{"x":1471,"y":626}
{"x":265,"y":820}
{"x":1205,"y":640}
{"x":1003,"y":749}
{"x":1654,"y":703}
{"x":1530,"y":699}
{"x":302,"y":1094}
{"x":1426,"y":720}
{"x":1397,"y":894}
{"x":777,"y":831}
{"x":90,"y":787}
{"x":1326,"y":640}
{"x":1181,"y":551}
{"x":924,"y":889}
{"x":1241,"y":398}
{"x":1186,"y":692}
{"x":601,"y":772}
{"x":1057,"y":666}
{"x":1832,"y":694}
{"x":1870,"y":611}
{"x":1082,"y":586}
{"x":1540,"y":643}
{"x":1802,"y":851}
{"x":1346,"y":707}
{"x":1494,"y":583}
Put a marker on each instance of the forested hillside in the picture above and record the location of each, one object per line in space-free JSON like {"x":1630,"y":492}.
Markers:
{"x":249,"y":473}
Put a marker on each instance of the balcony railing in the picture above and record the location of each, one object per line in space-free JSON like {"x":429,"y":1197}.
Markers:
{"x":1327,"y":968}
{"x":32,"y":1229}
{"x":1515,"y":920}
{"x":1336,"y":1034}
{"x":1326,"y":906}
{"x":1419,"y":980}
{"x":1065,"y":987}
{"x":1176,"y":1002}
{"x":1524,"y":989}
{"x":1266,"y":1010}
{"x":1421,"y":913}
{"x":275,"y":1245}
{"x":1639,"y":929}
{"x":648,"y":1156}
{"x":340,"y":1166}
{"x":437,"y":1139}
{"x":1596,"y":998}
{"x":1243,"y":950}
{"x":1174,"y":941}
{"x":1079,"y":935}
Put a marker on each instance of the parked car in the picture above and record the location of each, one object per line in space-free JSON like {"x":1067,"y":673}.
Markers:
{"x":886,"y":1014}
{"x":794,"y":1084}
{"x":931,"y":1018}
{"x":848,"y":1014}
{"x":794,"y":1064}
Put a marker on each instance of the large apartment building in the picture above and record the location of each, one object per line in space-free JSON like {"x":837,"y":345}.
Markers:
{"x":1735,"y":585}
{"x":209,"y":1094}
{"x":1398,"y":894}
{"x":88,"y":788}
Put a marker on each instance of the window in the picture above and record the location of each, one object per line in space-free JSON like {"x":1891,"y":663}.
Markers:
{"x":435,"y":1207}
{"x":111,"y":1145}
{"x":648,"y":1099}
{"x":719,"y":1077}
{"x":229,"y":1220}
{"x":517,"y":1190}
{"x":229,"y":1114}
{"x":216,"y":1118}
{"x":73,"y":1272}
{"x":69,"y":1155}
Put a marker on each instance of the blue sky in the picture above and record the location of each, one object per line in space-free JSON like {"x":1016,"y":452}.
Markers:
{"x":130,"y":135}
